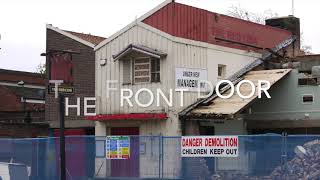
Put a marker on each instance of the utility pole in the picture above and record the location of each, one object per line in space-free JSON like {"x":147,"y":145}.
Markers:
{"x":21,"y":84}
{"x":61,"y":113}
{"x":292,"y":10}
{"x":62,"y":139}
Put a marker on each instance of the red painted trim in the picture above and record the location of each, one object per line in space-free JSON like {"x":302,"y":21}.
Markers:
{"x":106,"y":117}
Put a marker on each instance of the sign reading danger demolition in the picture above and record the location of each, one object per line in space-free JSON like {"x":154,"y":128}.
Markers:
{"x":209,"y":146}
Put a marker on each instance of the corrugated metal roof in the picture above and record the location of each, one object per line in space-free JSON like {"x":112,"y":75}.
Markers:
{"x":189,"y":22}
{"x":197,"y":24}
{"x":235,"y":103}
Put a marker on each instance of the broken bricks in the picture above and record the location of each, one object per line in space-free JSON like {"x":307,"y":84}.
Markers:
{"x":304,"y":166}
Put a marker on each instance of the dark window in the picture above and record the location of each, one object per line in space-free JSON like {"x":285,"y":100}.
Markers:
{"x":307,"y":98}
{"x":221,"y":71}
{"x":206,"y":130}
{"x":307,"y":82}
{"x":155,"y":70}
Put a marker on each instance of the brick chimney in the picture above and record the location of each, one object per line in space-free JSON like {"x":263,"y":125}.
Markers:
{"x":289,"y":23}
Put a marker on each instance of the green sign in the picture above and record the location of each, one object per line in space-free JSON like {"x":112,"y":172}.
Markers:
{"x":62,"y":89}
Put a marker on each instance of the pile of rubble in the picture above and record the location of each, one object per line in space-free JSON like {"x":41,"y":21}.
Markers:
{"x":305,"y":165}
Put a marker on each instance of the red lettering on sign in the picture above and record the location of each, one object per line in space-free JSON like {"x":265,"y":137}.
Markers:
{"x":221,"y":142}
{"x":191,"y":142}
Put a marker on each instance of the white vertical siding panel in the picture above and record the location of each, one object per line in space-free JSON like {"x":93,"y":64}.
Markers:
{"x":103,"y":70}
{"x":110,"y":51}
{"x":144,"y":36}
{"x":195,"y":64}
{"x":178,"y":55}
{"x":104,"y":77}
{"x":176,"y":64}
{"x":133,"y":35}
{"x":121,"y":45}
{"x":185,"y":57}
{"x":164,"y":66}
{"x":98,"y":81}
{"x":127,"y":37}
{"x":115,"y":72}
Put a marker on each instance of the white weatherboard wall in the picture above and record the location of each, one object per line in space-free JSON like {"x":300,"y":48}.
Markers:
{"x":180,"y":53}
{"x":233,"y":60}
{"x":183,"y":55}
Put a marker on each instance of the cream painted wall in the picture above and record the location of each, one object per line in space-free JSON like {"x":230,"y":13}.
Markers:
{"x":233,"y":59}
{"x":180,"y":53}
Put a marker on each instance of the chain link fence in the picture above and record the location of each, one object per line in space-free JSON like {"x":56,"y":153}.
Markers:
{"x":159,"y":157}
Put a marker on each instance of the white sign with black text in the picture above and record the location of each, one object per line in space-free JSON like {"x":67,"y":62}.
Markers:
{"x":209,"y":146}
{"x":190,"y":79}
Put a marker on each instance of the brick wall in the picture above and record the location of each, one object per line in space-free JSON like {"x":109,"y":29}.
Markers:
{"x":16,"y":76}
{"x":83,"y":73}
{"x":23,"y":130}
{"x":19,"y":116}
{"x":9,"y":102}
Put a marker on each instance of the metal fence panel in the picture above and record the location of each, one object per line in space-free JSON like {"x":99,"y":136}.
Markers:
{"x":158,"y":157}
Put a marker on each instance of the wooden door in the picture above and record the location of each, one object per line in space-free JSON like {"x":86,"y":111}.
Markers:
{"x":127,"y":167}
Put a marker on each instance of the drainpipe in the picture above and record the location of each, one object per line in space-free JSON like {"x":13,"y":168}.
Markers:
{"x":21,"y":84}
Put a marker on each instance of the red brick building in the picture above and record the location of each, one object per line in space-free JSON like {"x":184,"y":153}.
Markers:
{"x":78,"y":73}
{"x":22,"y":104}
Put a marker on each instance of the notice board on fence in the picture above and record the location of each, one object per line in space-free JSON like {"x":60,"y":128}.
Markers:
{"x":118,"y":147}
{"x":209,"y":146}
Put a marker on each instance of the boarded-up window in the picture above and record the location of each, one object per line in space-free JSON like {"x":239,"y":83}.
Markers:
{"x":221,"y":71}
{"x":141,"y":70}
{"x":61,"y":68}
{"x":155,"y":70}
{"x":126,"y":78}
{"x":307,"y":82}
{"x":307,"y":98}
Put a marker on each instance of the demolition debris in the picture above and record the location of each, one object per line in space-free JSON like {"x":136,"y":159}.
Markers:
{"x":305,"y":165}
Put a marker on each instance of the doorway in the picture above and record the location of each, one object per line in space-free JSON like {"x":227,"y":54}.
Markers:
{"x":127,"y":167}
{"x":208,"y":131}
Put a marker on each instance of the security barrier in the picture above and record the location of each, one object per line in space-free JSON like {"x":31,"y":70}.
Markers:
{"x":159,"y":157}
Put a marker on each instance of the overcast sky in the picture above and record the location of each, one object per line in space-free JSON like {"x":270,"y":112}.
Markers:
{"x":23,"y":22}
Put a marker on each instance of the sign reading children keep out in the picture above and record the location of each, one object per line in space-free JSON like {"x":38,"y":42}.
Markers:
{"x":209,"y":146}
